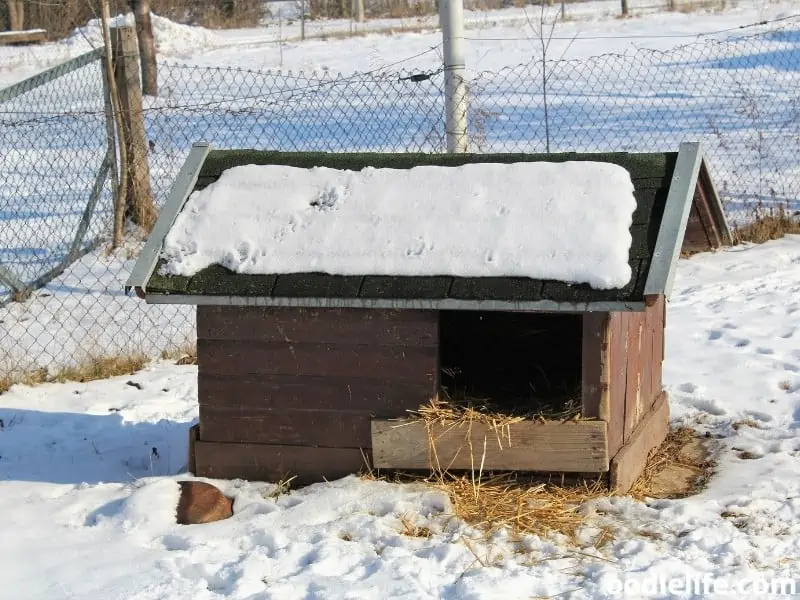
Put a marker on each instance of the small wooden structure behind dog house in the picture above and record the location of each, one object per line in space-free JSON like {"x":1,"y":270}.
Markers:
{"x":312,"y":374}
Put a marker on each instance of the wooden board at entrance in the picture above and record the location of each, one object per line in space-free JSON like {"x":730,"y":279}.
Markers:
{"x":571,"y":447}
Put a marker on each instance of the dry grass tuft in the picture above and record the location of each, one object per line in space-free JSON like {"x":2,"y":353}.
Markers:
{"x":90,"y":369}
{"x":101,"y":367}
{"x":282,"y":487}
{"x":747,"y":455}
{"x":185,"y":354}
{"x":469,"y":410}
{"x":523,"y":507}
{"x":411,"y":529}
{"x":768,"y":225}
{"x":737,"y":425}
{"x":5,"y":383}
{"x":447,"y":414}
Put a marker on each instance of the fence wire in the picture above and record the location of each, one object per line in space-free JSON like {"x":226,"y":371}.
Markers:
{"x":738,"y":96}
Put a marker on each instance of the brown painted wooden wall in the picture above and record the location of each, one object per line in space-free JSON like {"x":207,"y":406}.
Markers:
{"x":635,"y":357}
{"x":310,"y":377}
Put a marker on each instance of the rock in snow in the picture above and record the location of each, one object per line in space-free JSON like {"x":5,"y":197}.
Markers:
{"x":201,"y":502}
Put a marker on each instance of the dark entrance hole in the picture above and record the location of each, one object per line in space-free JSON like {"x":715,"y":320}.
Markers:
{"x":517,"y":363}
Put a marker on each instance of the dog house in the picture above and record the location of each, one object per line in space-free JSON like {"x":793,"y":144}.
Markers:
{"x":312,"y":373}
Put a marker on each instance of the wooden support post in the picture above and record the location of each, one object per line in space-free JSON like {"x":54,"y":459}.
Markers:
{"x":16,"y":14}
{"x":147,"y":46}
{"x":139,"y":206}
{"x":595,"y":366}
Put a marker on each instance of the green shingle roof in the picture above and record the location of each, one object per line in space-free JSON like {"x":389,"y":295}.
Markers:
{"x":651,"y":174}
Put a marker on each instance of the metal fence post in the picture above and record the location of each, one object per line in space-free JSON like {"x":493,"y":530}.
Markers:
{"x":455,"y":85}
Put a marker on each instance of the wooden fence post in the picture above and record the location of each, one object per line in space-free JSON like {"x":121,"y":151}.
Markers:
{"x":16,"y":14}
{"x":139,"y":206}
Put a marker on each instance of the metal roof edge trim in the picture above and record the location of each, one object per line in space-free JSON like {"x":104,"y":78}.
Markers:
{"x":673,"y":223}
{"x":407,"y":304}
{"x":181,"y":189}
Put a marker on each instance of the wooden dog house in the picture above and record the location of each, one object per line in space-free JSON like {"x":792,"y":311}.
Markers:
{"x":310,"y":374}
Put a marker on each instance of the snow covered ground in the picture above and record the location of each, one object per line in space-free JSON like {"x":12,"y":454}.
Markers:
{"x":88,"y":471}
{"x":497,"y":38}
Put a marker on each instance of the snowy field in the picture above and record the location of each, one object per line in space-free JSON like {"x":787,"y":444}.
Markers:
{"x":88,"y":471}
{"x":497,"y":39}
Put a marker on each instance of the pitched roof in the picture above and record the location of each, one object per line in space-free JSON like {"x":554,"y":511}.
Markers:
{"x":665,"y":185}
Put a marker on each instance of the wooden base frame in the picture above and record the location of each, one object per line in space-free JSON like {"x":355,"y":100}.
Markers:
{"x":551,"y":450}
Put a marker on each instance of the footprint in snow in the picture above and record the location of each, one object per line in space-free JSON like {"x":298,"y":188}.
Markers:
{"x":174,"y":543}
{"x":712,"y":407}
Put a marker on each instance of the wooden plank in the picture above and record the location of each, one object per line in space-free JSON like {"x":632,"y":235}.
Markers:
{"x":634,"y":407}
{"x":647,"y":365}
{"x":716,"y":213}
{"x":394,"y":363}
{"x":574,"y":446}
{"x":345,"y":325}
{"x":628,"y":463}
{"x":712,"y":218}
{"x":286,"y":426}
{"x":391,"y":398}
{"x":618,"y":368}
{"x":594,"y":366}
{"x":659,"y":311}
{"x":31,"y":36}
{"x":194,"y":433}
{"x":264,"y":462}
{"x":695,"y":238}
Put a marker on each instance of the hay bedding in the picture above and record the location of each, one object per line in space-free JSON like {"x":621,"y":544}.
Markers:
{"x":460,"y":404}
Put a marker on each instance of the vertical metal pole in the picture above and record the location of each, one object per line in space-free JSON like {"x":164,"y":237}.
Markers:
{"x":303,"y":20}
{"x":451,"y":16}
{"x":280,"y":34}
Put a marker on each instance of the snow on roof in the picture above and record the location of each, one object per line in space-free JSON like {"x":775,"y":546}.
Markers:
{"x":561,"y":221}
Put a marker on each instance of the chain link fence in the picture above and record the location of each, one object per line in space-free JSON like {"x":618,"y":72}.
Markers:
{"x":738,"y":96}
